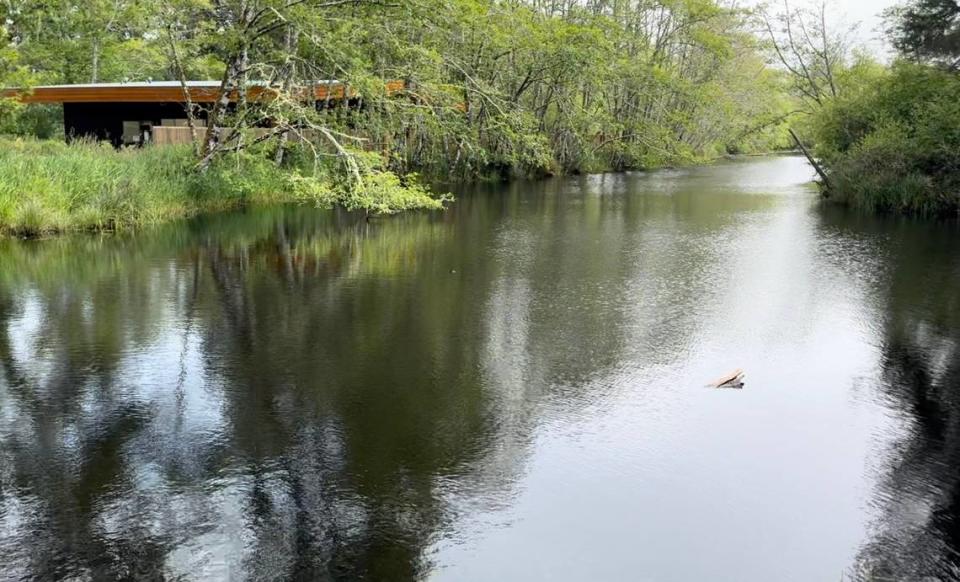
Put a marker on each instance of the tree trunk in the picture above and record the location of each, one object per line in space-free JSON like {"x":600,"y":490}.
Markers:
{"x":229,"y":84}
{"x":95,"y":62}
{"x":813,"y":162}
{"x":286,"y":82}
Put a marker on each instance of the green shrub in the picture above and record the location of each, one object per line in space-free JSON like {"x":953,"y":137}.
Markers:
{"x":896,"y":146}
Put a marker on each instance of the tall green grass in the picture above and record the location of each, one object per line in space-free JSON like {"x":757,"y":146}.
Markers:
{"x":48,"y":186}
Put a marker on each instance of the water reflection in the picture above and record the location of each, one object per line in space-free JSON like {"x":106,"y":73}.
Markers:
{"x":916,"y":534}
{"x":214,"y":402}
{"x":295,"y":393}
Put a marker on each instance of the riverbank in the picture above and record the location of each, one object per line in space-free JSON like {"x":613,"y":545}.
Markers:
{"x":49,"y":187}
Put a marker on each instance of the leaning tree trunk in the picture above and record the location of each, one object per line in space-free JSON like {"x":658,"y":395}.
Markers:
{"x":813,"y":162}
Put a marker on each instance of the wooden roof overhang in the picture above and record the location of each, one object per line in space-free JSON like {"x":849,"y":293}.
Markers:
{"x":165,"y":92}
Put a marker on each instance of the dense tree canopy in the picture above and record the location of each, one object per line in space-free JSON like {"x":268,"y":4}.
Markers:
{"x":928,"y":30}
{"x":522,"y":86}
{"x":512,"y":87}
{"x":892,"y":141}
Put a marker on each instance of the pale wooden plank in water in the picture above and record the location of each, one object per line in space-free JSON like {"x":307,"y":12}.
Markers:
{"x":731,"y":378}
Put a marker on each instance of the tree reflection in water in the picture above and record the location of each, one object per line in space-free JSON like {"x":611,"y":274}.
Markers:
{"x":917,"y":533}
{"x":290,"y":392}
{"x":295,"y":393}
{"x":168,"y":417}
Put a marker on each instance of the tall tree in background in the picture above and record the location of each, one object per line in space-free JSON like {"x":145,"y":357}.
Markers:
{"x":892,"y":142}
{"x":811,"y":51}
{"x":66,"y":41}
{"x":12,"y":74}
{"x":928,"y":30}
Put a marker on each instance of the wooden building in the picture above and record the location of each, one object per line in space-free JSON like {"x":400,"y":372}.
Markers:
{"x":132,"y":113}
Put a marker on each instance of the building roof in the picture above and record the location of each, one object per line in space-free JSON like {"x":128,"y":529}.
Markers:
{"x":159,"y":92}
{"x":211,"y":84}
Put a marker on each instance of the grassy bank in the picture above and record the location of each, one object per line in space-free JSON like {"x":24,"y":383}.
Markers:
{"x":47,"y":186}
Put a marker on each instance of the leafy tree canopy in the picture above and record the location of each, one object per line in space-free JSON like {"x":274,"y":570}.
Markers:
{"x":928,"y":30}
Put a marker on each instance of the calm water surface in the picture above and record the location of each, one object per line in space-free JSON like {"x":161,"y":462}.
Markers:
{"x":511,"y":390}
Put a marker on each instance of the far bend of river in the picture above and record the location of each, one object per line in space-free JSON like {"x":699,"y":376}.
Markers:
{"x":510,"y":390}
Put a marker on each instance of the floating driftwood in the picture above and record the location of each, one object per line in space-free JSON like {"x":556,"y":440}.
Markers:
{"x":732,"y":380}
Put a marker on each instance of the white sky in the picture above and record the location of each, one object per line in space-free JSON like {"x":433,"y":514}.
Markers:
{"x":868,"y":13}
{"x":848,"y":12}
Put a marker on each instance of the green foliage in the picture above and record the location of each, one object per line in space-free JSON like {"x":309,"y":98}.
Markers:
{"x":895,"y":145}
{"x":12,"y":73}
{"x":888,"y":137}
{"x":66,"y":41}
{"x":379,"y":192}
{"x":48,"y":186}
{"x":496,"y":88}
{"x":928,"y":30}
{"x":568,"y":89}
{"x":493,"y":89}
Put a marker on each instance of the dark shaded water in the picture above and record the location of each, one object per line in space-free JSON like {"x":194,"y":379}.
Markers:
{"x":512,"y":390}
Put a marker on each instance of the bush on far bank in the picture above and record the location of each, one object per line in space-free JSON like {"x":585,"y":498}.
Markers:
{"x":895,"y":145}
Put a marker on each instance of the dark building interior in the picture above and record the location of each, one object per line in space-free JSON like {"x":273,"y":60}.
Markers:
{"x":106,"y":121}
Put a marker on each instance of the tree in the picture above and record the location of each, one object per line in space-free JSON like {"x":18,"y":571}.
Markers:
{"x":812,"y":53}
{"x":490,"y":87}
{"x":928,"y":30}
{"x":71,"y":42}
{"x":12,"y":74}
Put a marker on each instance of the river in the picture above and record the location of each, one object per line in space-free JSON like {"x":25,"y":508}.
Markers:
{"x":513,"y":389}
